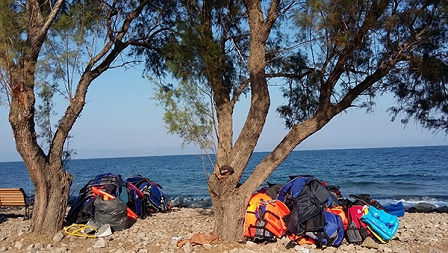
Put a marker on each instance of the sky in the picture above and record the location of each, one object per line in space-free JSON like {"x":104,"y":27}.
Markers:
{"x":121,"y":120}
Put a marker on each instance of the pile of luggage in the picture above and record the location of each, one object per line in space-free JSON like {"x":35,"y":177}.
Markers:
{"x":309,"y":211}
{"x":110,"y":203}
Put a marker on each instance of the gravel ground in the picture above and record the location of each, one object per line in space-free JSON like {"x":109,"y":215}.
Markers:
{"x":418,"y":232}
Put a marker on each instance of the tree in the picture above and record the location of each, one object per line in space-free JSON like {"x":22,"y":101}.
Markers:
{"x":28,"y":27}
{"x":326,"y":56}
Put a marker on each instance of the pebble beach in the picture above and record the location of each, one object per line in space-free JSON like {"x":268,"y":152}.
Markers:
{"x":162,"y":232}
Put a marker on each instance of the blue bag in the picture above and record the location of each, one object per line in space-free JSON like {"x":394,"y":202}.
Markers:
{"x":155,"y":200}
{"x":333,"y":232}
{"x":395,"y":209}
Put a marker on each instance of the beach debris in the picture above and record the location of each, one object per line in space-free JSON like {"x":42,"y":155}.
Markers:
{"x":200,"y":239}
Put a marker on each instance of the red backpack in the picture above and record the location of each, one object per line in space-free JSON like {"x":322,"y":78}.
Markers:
{"x":357,"y":230}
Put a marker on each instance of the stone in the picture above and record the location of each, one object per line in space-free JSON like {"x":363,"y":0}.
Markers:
{"x":101,"y":243}
{"x":207,"y":246}
{"x":18,"y":245}
{"x":60,"y":250}
{"x":425,"y":207}
{"x":250,"y":243}
{"x":369,"y":243}
{"x":188,"y":248}
{"x":58,"y":237}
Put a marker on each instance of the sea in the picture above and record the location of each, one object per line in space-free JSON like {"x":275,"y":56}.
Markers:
{"x":411,"y":175}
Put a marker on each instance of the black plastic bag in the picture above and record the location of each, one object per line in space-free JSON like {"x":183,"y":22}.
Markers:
{"x":112,"y":212}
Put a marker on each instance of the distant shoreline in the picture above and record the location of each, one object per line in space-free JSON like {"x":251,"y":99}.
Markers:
{"x":6,"y":156}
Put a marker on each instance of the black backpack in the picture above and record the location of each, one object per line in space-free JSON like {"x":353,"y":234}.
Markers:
{"x":82,"y":210}
{"x":306,"y":197}
{"x":365,"y":199}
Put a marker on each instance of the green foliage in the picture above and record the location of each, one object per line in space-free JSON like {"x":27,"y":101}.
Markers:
{"x":12,"y":25}
{"x":318,"y":53}
{"x":420,"y":85}
{"x":43,"y":115}
{"x":364,"y":35}
{"x":204,"y":56}
{"x":187,"y":114}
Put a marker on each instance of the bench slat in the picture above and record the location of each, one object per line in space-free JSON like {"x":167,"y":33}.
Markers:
{"x":12,"y":197}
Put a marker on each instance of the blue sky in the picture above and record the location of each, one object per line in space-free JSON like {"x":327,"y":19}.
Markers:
{"x":120,"y":120}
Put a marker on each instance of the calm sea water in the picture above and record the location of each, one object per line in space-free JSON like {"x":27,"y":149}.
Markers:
{"x":389,"y":175}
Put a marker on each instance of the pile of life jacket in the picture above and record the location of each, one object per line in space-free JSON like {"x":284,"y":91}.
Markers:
{"x":309,"y":211}
{"x":109,"y":199}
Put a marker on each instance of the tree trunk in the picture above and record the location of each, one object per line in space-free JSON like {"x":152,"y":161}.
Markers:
{"x":51,"y":182}
{"x":229,"y":210}
{"x":52,"y":191}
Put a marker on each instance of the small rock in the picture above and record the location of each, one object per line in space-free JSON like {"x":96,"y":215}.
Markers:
{"x":301,"y":249}
{"x":207,"y":246}
{"x":58,"y":237}
{"x":369,"y":243}
{"x":38,"y":245}
{"x":101,"y":243}
{"x":30,"y":247}
{"x":250,"y":243}
{"x":59,"y":250}
{"x":188,"y":248}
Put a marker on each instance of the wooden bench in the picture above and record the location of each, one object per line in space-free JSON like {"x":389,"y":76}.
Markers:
{"x":14,"y":197}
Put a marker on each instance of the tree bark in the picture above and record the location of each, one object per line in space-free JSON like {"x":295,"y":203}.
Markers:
{"x":228,"y":197}
{"x":50,"y":202}
{"x":229,"y":206}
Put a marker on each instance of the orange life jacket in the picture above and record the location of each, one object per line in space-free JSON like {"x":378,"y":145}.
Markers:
{"x":301,"y":239}
{"x":338,"y":210}
{"x":261,"y":206}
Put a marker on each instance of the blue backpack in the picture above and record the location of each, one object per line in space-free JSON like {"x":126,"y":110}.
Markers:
{"x":331,"y":234}
{"x":154,"y":200}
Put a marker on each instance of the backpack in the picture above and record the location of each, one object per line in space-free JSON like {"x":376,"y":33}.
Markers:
{"x":365,"y":199}
{"x":264,"y":218}
{"x":332,"y":233}
{"x":306,"y":197}
{"x":82,"y":210}
{"x":154,"y":199}
{"x":339,"y":210}
{"x":271,"y":190}
{"x":336,"y":194}
{"x":137,"y":201}
{"x":356,"y":230}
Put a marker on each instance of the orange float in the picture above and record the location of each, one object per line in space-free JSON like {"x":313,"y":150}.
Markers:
{"x":107,"y":196}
